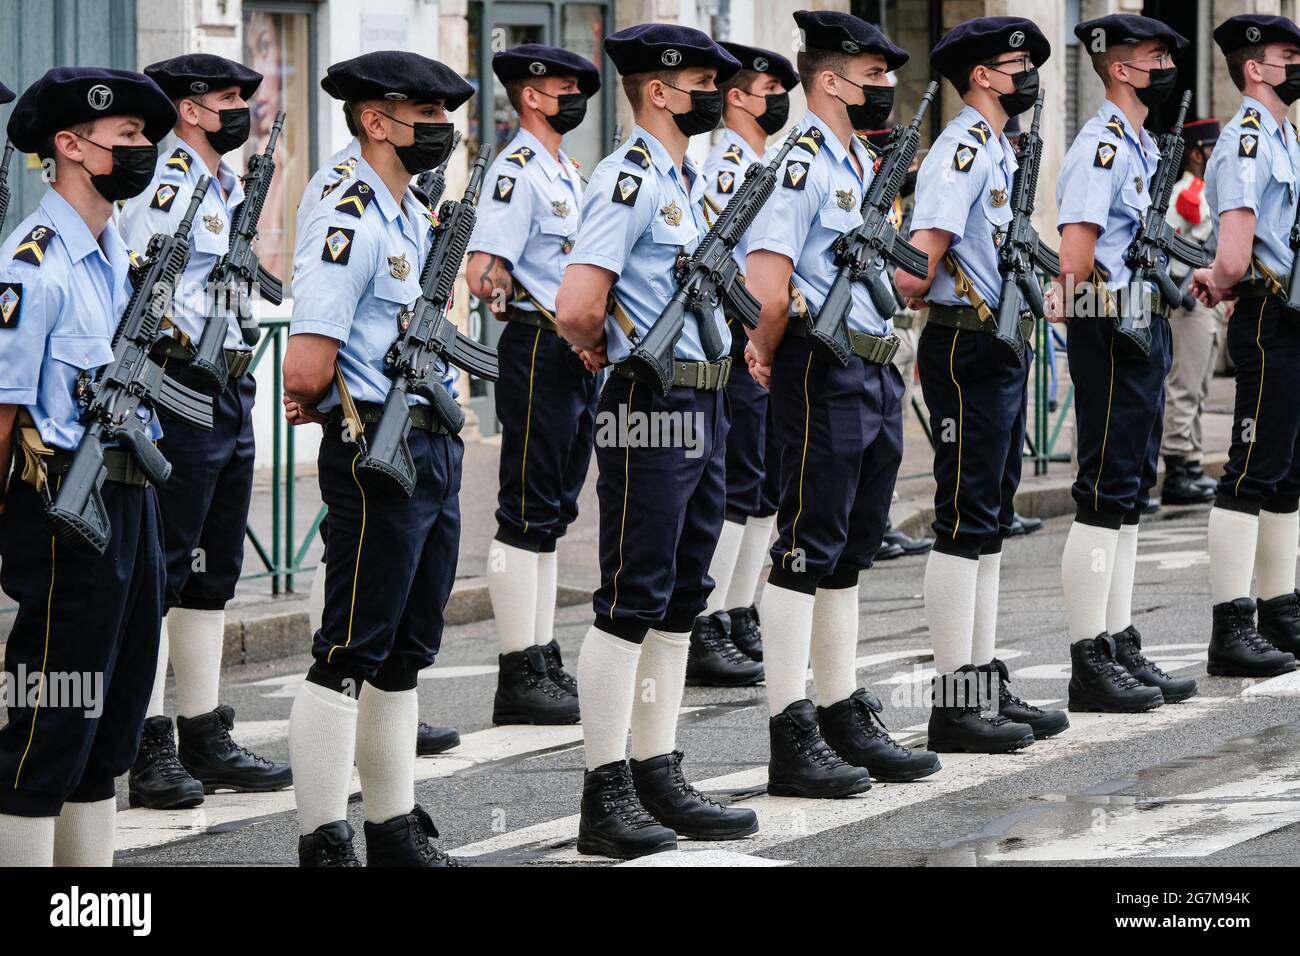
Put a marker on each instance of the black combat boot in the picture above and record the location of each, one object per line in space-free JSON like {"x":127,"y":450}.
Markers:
{"x":213,"y":758}
{"x":745,"y":632}
{"x":1128,"y":651}
{"x":613,"y":821}
{"x":669,"y":798}
{"x":328,"y":845}
{"x":158,"y":781}
{"x":854,"y":730}
{"x":527,"y":695}
{"x":1199,"y":477}
{"x":1044,"y":723}
{"x":1098,"y":682}
{"x":1279,"y":622}
{"x":1180,"y":487}
{"x":956,"y":725}
{"x":714,"y":661}
{"x":555,"y":669}
{"x":909,"y":544}
{"x":1238,"y":650}
{"x":405,"y":841}
{"x":430,"y":740}
{"x":803,"y":763}
{"x":1024,"y":524}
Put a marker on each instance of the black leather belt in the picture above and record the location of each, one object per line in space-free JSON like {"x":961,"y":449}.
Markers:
{"x":1253,"y":289}
{"x":535,"y":319}
{"x":238,"y":361}
{"x":701,"y":376}
{"x":422,"y":416}
{"x":964,"y":317}
{"x":876,"y":349}
{"x":122,"y":467}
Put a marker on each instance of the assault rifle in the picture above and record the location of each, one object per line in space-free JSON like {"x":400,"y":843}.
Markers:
{"x":4,"y":184}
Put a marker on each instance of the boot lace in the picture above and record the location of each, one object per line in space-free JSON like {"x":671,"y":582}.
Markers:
{"x":160,"y":751}
{"x":619,"y":797}
{"x":814,"y":746}
{"x":228,"y":742}
{"x":1245,"y":634}
{"x":1112,"y":670}
{"x":679,"y":778}
{"x":714,"y":639}
{"x":340,"y":854}
{"x":1005,"y":697}
{"x":873,"y":725}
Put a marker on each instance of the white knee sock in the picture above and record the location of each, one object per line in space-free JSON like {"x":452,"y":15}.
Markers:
{"x":160,"y":675}
{"x":835,"y":644}
{"x":547,"y":586}
{"x":1275,"y":556}
{"x":26,"y":841}
{"x":195,"y":638}
{"x":84,"y":833}
{"x":607,"y":684}
{"x":512,"y":585}
{"x":950,"y":585}
{"x":984,"y":638}
{"x":749,"y":563}
{"x":316,"y":600}
{"x":660,"y":681}
{"x":322,"y":743}
{"x":723,"y":564}
{"x":385,"y":753}
{"x":786,"y":645}
{"x":1232,"y":539}
{"x":1087,"y":564}
{"x":1119,"y":602}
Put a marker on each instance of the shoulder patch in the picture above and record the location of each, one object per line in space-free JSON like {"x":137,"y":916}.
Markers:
{"x":356,"y":199}
{"x":164,"y":197}
{"x":638,"y":153}
{"x":732,"y":154}
{"x":811,"y":140}
{"x":338,"y":245}
{"x":1248,"y":145}
{"x":521,"y":156}
{"x":796,"y":174}
{"x":626,"y":189}
{"x":505,"y":190}
{"x":1251,"y":119}
{"x":11,"y":304}
{"x":964,"y":157}
{"x":179,"y":159}
{"x":726,"y":181}
{"x":981,"y":132}
{"x":32,"y":248}
{"x":1115,"y":125}
{"x":1105,"y":155}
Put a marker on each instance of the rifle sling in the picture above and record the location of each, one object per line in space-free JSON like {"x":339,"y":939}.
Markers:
{"x":965,"y":288}
{"x":347,"y":410}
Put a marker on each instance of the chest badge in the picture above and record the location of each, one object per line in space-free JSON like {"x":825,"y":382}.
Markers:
{"x":1137,"y":184}
{"x":561,"y":208}
{"x":672,"y":213}
{"x":398,"y":267}
{"x":844,"y":198}
{"x":214,"y":224}
{"x":997,"y":198}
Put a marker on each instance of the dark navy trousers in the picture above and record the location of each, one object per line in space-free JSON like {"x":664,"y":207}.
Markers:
{"x":751,"y":490}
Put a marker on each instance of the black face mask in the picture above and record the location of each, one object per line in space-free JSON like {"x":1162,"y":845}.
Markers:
{"x":704,"y":115}
{"x":874,"y":111}
{"x":1162,"y":85}
{"x":432,"y":145}
{"x":777,"y":112}
{"x":133,"y":168}
{"x":235,"y":126}
{"x":572,"y":111}
{"x":1023,"y":93}
{"x":1288,"y":91}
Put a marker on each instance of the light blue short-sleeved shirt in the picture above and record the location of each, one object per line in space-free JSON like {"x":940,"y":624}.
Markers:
{"x":964,"y":188}
{"x":62,"y":294}
{"x":817,"y":199}
{"x":339,"y":167}
{"x":356,"y":267}
{"x":159,"y":210}
{"x":1256,"y":166}
{"x":724,"y":171}
{"x":528,"y":215}
{"x":638,"y":215}
{"x":1106,"y":180}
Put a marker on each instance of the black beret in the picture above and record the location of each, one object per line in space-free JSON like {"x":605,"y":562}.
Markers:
{"x":195,"y":73}
{"x":844,"y":33}
{"x":1250,"y":29}
{"x":764,"y":61}
{"x":68,"y":95}
{"x":395,"y":75}
{"x":974,"y":41}
{"x":6,"y":95}
{"x":535,"y":59}
{"x":1120,"y":28}
{"x":657,"y":46}
{"x":1200,"y":132}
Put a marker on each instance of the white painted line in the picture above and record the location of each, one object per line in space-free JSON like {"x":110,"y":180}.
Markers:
{"x":696,"y":854}
{"x":1284,"y":685}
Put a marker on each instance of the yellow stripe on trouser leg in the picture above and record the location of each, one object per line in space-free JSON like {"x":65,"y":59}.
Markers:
{"x":356,"y":567}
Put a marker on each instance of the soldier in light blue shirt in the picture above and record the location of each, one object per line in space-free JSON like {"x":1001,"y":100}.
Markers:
{"x":545,"y":396}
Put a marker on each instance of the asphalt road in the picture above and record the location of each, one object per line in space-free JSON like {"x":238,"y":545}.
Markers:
{"x":1215,"y":780}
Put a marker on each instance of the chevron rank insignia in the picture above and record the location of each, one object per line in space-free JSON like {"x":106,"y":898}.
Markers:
{"x":11,"y":304}
{"x":981,"y":131}
{"x":1105,"y":157}
{"x":1251,"y":119}
{"x":179,"y":160}
{"x":639,"y":153}
{"x":164,"y":197}
{"x":338,"y":245}
{"x":732,"y":154}
{"x":964,"y":158}
{"x":626,"y":189}
{"x":32,"y":248}
{"x":505,"y":190}
{"x":356,"y":199}
{"x":345,"y":167}
{"x":796,"y":174}
{"x":811,"y":141}
{"x":1115,"y":125}
{"x":726,"y":182}
{"x":1248,"y":145}
{"x":521,"y":156}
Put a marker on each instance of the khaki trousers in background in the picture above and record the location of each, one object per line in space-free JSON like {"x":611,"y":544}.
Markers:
{"x":1197,"y":341}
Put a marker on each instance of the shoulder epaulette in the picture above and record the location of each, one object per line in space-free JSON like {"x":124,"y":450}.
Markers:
{"x":638,"y":154}
{"x":980,"y":131}
{"x":1115,"y":125}
{"x":356,"y":199}
{"x":521,"y":156}
{"x":1251,"y":119}
{"x":32,"y":248}
{"x":179,"y":159}
{"x":732,"y":154}
{"x":811,"y":141}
